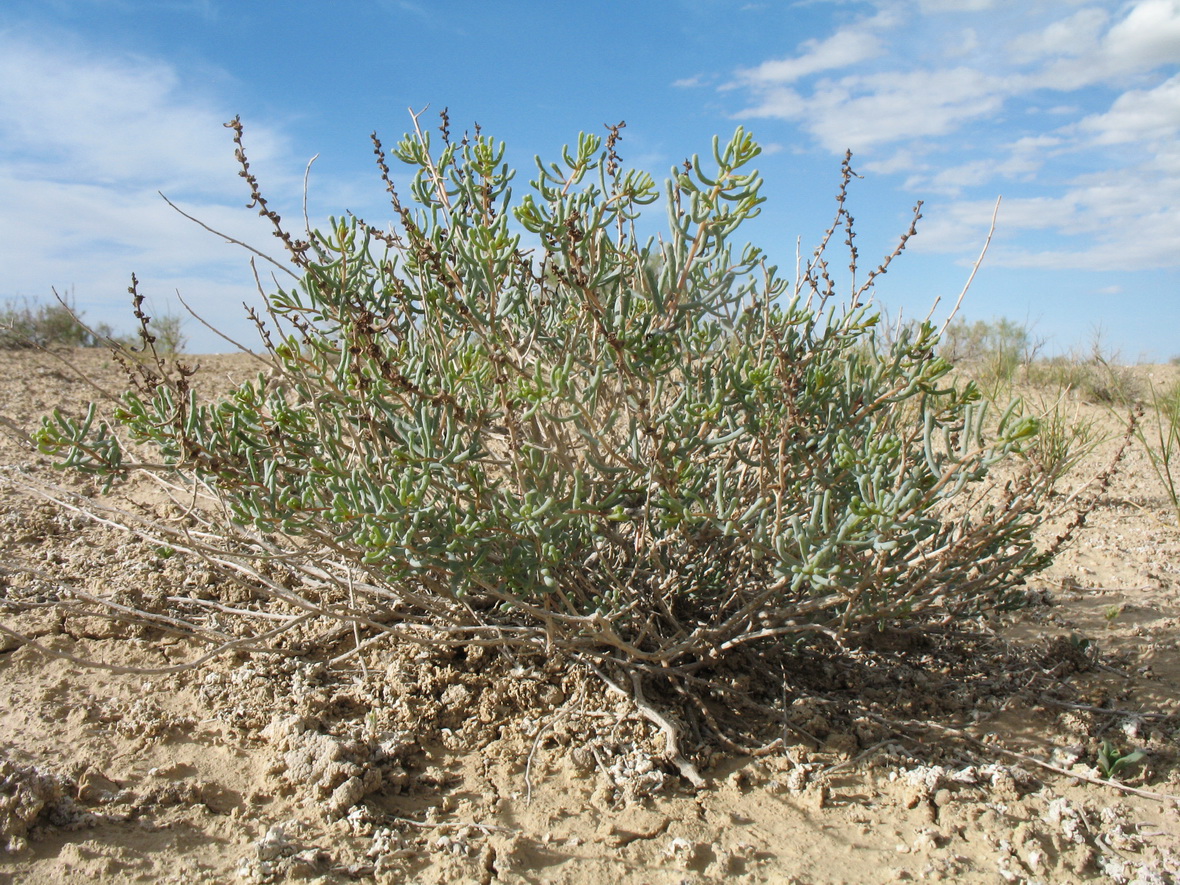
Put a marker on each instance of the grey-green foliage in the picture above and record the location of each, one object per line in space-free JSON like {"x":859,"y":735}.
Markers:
{"x":168,"y":330}
{"x":26,"y":324}
{"x":993,"y":352}
{"x":508,"y":416}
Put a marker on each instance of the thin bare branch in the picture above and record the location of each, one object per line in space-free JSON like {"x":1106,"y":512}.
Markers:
{"x":233,"y":240}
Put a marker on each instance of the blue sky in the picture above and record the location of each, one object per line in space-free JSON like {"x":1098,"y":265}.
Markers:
{"x":1069,"y":110}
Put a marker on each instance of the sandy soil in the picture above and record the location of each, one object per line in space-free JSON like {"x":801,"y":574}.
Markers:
{"x":911,"y":758}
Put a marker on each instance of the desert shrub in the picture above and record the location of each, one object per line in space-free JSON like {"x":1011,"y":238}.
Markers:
{"x":168,"y":330}
{"x":994,"y":353}
{"x":648,"y":455}
{"x":1090,"y":378}
{"x":1000,"y":354}
{"x":26,"y":324}
{"x":1065,"y":438}
{"x":1159,"y":436}
{"x":1112,"y":383}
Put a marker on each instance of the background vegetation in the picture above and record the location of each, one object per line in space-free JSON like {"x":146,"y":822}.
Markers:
{"x":28,"y":324}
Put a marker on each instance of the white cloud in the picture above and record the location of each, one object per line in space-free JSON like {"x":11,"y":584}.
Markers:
{"x":1036,"y":99}
{"x":1037,"y":142}
{"x":1148,"y":36}
{"x":1071,"y":36}
{"x":86,"y":141}
{"x":74,"y":217}
{"x":904,"y":159}
{"x":841,"y":50}
{"x":902,"y":98}
{"x":1138,"y":115}
{"x":1120,"y":219}
{"x":58,"y":234}
{"x":115,"y":120}
{"x":944,"y":6}
{"x":1017,"y":161}
{"x":968,"y":43}
{"x":1145,"y":38}
{"x":862,"y":111}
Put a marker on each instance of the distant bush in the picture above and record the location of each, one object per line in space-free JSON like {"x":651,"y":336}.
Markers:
{"x":167,"y":330}
{"x":1094,"y":375}
{"x":24,"y":324}
{"x":652,"y":456}
{"x":1089,"y":380}
{"x":1000,"y":354}
{"x":993,"y":353}
{"x":27,"y":324}
{"x":1002,"y":340}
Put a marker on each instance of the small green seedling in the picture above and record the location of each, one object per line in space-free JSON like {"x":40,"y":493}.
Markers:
{"x":1111,"y":761}
{"x":1112,"y":612}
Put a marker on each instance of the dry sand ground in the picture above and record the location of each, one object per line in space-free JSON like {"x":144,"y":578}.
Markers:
{"x":433,"y":768}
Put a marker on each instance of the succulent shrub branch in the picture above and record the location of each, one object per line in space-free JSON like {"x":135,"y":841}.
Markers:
{"x":506,"y":418}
